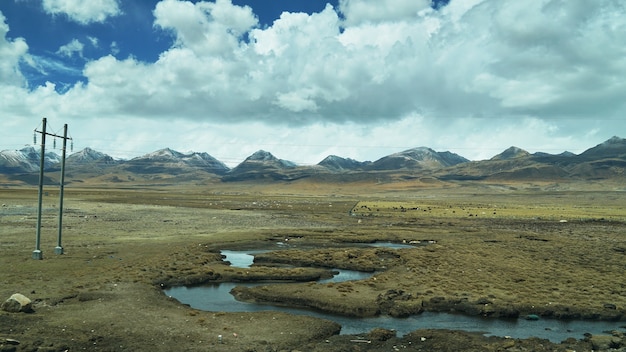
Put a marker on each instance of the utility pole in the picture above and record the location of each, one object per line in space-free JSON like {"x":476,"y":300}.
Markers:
{"x":59,"y":248}
{"x":37,"y":254}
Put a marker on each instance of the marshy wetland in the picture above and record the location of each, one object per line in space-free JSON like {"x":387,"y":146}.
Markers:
{"x":501,"y":253}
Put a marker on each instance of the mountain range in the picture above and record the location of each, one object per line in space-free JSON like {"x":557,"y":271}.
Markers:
{"x":604,"y":161}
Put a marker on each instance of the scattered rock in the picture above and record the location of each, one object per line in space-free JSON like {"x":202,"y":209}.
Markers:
{"x":8,"y":348}
{"x":380,"y":334}
{"x":483,"y":300}
{"x":11,"y":341}
{"x":18,"y":303}
{"x":8,"y":345}
{"x":394,"y":295}
{"x":508,"y":312}
{"x":610,"y":306}
{"x":605,"y":342}
{"x":437,"y":299}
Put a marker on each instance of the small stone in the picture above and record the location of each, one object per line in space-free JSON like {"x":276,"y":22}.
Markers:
{"x":605,"y":342}
{"x":380,"y":334}
{"x":610,"y":306}
{"x":508,"y":344}
{"x":17,"y":303}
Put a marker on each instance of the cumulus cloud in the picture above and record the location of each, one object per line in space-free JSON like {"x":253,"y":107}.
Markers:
{"x":551,"y":58}
{"x":206,"y":28}
{"x":115,"y":49}
{"x":83,"y":12}
{"x":11,"y":52}
{"x":480,"y":58}
{"x":492,"y":58}
{"x":93,"y":40}
{"x":360,"y":11}
{"x":74,"y":47}
{"x":501,"y":66}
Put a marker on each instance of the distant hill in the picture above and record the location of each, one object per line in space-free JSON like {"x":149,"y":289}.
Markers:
{"x":511,"y":153}
{"x":613,"y":148}
{"x":87,"y":156}
{"x":169,"y":161}
{"x":337,"y":163}
{"x":604,"y":161}
{"x":417,"y":158}
{"x":25,"y":160}
{"x":90,"y":158}
{"x":263,"y":165}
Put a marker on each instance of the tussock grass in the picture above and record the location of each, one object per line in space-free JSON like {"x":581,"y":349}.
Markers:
{"x":121,"y":244}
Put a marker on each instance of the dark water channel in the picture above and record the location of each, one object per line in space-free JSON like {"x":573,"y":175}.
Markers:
{"x":217,"y":298}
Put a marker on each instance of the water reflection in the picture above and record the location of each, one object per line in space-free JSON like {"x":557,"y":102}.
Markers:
{"x":217,"y":297}
{"x":240,"y":259}
{"x":244,"y":259}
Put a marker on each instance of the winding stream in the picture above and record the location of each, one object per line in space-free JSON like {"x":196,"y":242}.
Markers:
{"x":217,"y":297}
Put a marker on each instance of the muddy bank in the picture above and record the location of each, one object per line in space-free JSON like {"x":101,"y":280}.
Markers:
{"x":369,"y":298}
{"x":354,"y":299}
{"x":453,"y":341}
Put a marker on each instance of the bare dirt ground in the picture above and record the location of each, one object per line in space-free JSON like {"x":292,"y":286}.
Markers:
{"x":500,"y":251}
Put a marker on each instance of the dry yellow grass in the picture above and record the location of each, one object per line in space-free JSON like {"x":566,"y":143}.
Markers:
{"x":120,"y":243}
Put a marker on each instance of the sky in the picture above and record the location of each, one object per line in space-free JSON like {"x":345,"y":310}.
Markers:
{"x":360,"y":79}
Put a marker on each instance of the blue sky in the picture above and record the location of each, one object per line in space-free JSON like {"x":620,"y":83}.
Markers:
{"x":306,"y":79}
{"x":132,"y":32}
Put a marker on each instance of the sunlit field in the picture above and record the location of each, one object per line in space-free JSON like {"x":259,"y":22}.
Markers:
{"x":478,"y":251}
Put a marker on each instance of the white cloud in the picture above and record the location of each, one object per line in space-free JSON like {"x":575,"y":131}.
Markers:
{"x":11,"y":52}
{"x":462,"y":61}
{"x":474,"y":77}
{"x":74,"y":47}
{"x":552,"y":57}
{"x":357,"y":12}
{"x":115,"y":49}
{"x":205,"y":27}
{"x":93,"y":40}
{"x":81,"y":11}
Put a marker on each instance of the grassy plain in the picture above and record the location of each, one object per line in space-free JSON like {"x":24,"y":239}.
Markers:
{"x":493,"y":250}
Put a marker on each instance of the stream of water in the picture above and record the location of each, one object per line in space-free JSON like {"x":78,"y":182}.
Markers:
{"x":217,"y":298}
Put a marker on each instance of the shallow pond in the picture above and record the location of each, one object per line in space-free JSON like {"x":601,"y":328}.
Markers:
{"x":217,"y":298}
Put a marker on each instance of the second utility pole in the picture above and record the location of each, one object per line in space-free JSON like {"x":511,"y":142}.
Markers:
{"x":37,"y":252}
{"x":59,"y":249}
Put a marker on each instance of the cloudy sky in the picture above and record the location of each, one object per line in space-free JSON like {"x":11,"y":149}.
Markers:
{"x":307,"y":79}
